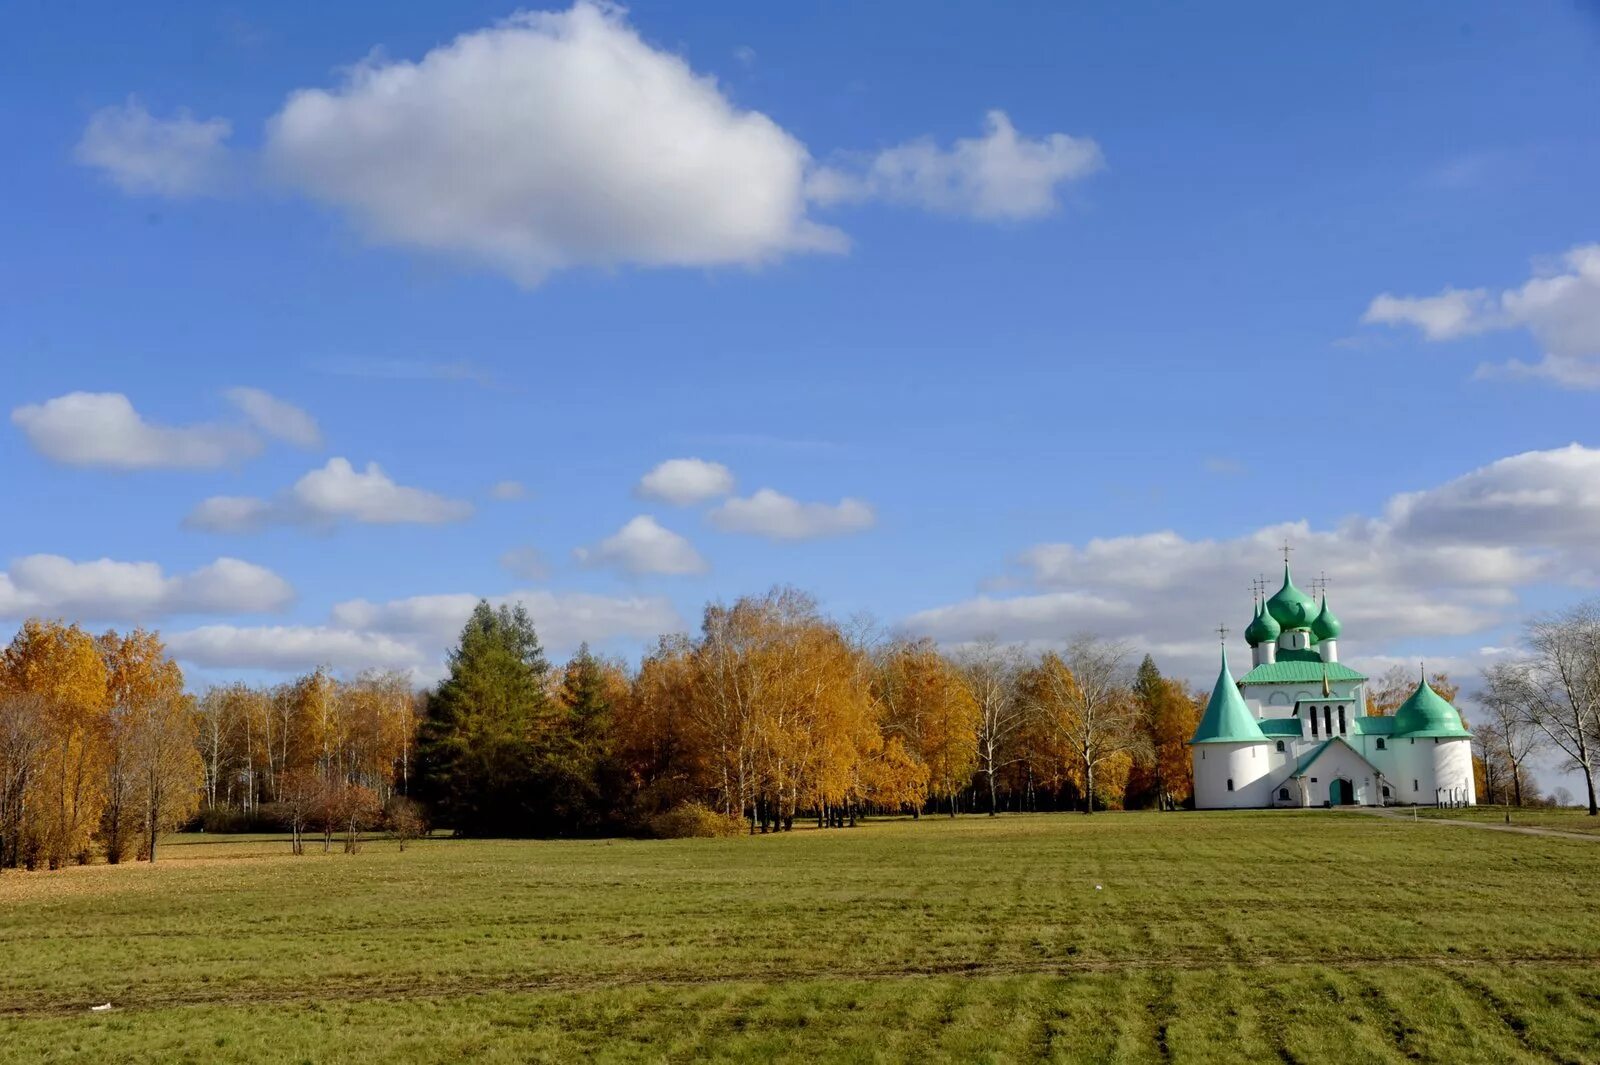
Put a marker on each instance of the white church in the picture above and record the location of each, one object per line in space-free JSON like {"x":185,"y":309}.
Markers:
{"x":1293,"y":732}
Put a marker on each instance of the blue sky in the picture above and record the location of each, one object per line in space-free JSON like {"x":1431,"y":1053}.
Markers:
{"x":1078,"y":367}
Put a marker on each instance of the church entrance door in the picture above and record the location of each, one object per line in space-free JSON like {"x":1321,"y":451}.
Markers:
{"x":1341,"y":792}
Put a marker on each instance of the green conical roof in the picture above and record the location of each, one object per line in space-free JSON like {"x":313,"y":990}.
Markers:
{"x":1426,"y":713}
{"x":1290,"y":607}
{"x":1263,"y":629}
{"x":1227,"y":719}
{"x":1325,"y":626}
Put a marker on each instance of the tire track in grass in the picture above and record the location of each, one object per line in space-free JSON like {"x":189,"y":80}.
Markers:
{"x":1507,"y":1015}
{"x":127,"y":1001}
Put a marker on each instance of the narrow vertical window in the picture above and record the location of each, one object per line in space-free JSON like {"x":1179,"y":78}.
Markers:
{"x":1341,"y":721}
{"x":1230,"y":783}
{"x":1313,"y":717}
{"x":1327,"y":720}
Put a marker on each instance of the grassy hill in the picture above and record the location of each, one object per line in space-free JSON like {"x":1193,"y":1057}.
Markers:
{"x":1138,"y":937}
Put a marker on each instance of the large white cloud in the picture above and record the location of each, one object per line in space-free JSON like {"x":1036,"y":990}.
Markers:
{"x":549,"y":141}
{"x":1559,"y":306}
{"x":142,"y":154}
{"x":684,"y":481}
{"x":414,"y":633}
{"x":337,"y":492}
{"x":104,"y":429}
{"x":1440,"y":563}
{"x":999,"y":176}
{"x":644,"y":546}
{"x":776,"y":516}
{"x":108,"y":590}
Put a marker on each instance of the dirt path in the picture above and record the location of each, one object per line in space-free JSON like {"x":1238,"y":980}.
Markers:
{"x":1526,"y":830}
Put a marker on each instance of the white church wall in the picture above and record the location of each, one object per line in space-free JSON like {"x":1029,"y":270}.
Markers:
{"x":1247,"y":765}
{"x":1339,"y":762}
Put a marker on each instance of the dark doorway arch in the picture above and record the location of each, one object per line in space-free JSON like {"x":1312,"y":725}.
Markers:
{"x":1341,"y":792}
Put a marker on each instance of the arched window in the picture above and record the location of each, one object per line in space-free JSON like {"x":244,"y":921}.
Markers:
{"x":1413,"y":784}
{"x":1341,"y":721}
{"x":1283,"y":794}
{"x":1327,"y":720}
{"x":1230,"y":783}
{"x":1383,"y":745}
{"x":1280,"y":745}
{"x":1313,"y":716}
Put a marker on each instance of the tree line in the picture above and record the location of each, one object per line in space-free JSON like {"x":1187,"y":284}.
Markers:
{"x":772,"y":712}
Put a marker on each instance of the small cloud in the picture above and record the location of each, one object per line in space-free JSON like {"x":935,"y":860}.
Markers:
{"x":525,"y":562}
{"x":144,"y":155}
{"x":508,"y":490}
{"x":1000,"y":176}
{"x":325,"y":497}
{"x":684,"y":481}
{"x":745,"y":55}
{"x":644,"y":547}
{"x":276,"y":418}
{"x":776,"y":516}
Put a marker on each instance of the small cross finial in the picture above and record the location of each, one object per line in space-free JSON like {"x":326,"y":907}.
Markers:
{"x":1320,"y":585}
{"x":1286,"y":550}
{"x":1222,"y":633}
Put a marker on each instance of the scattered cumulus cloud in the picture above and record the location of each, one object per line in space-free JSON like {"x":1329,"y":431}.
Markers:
{"x":776,"y":516}
{"x":146,"y":155}
{"x":508,"y":490}
{"x":1559,"y":306}
{"x":108,"y":590}
{"x":552,"y":140}
{"x":643,"y":547}
{"x":103,"y":429}
{"x":325,"y":497}
{"x":1000,"y":176}
{"x":276,"y":418}
{"x":1443,"y":562}
{"x":684,"y":481}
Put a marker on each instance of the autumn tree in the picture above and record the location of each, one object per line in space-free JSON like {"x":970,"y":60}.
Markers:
{"x":992,"y":675}
{"x":1167,"y":716}
{"x":1085,"y":699}
{"x":1394,"y":686}
{"x":23,"y":743}
{"x":155,"y":767}
{"x":61,"y":664}
{"x":927,"y":702}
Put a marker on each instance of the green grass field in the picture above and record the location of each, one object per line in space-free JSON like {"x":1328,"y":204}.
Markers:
{"x":1252,"y":937}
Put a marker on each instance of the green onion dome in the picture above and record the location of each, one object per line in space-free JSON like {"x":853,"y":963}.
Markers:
{"x":1263,"y":629}
{"x":1325,"y":626}
{"x":1290,"y":607}
{"x":1426,"y":713}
